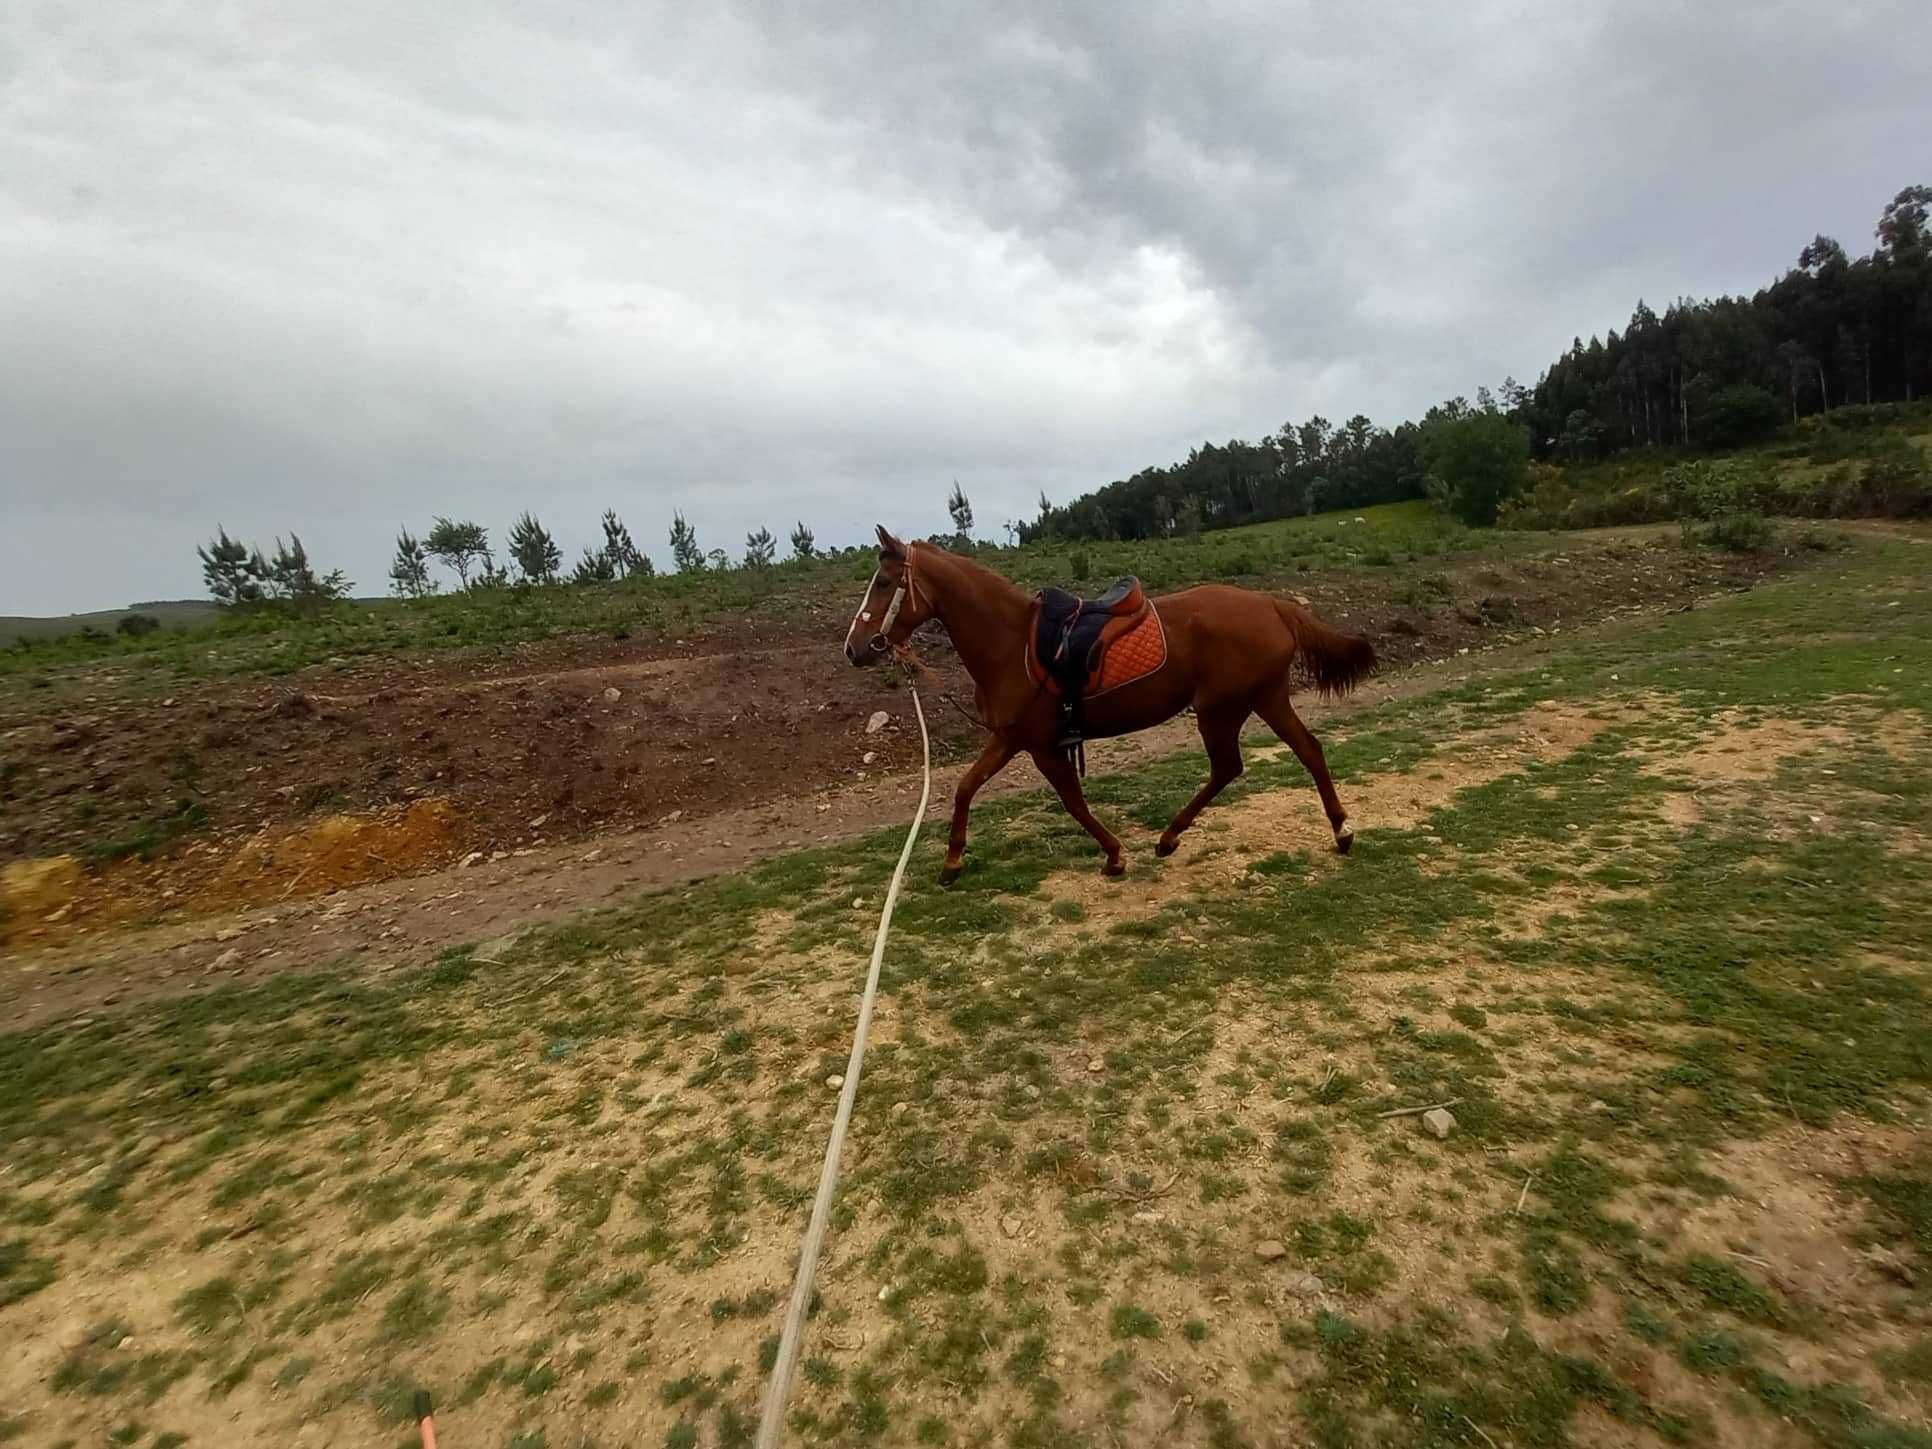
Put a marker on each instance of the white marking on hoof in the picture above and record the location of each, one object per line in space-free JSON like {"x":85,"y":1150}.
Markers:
{"x":1347,"y":832}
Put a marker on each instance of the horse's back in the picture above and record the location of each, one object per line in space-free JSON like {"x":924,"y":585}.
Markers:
{"x":1223,"y":609}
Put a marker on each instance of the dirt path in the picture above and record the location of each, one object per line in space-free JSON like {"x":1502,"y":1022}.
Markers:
{"x":393,"y":924}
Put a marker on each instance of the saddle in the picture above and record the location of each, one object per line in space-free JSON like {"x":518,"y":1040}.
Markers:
{"x":1079,"y":648}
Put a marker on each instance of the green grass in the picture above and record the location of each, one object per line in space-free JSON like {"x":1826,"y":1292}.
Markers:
{"x":1856,"y":462}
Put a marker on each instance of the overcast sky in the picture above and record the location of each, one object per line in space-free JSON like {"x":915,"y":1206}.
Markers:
{"x":339,"y":267}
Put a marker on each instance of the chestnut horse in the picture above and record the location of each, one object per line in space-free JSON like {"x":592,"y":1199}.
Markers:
{"x":1228,"y":655}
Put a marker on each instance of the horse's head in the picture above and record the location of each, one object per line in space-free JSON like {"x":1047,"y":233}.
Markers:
{"x":895,"y":604}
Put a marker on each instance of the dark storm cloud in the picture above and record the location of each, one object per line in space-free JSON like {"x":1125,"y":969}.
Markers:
{"x":339,"y":268}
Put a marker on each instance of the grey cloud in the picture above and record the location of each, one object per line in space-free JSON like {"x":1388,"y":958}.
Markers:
{"x":339,"y":268}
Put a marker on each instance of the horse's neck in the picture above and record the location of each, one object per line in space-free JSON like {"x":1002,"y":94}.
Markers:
{"x":985,"y":615}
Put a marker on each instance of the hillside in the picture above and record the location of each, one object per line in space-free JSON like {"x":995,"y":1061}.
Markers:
{"x":173,"y":614}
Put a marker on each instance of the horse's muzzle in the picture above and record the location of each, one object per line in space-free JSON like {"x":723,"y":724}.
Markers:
{"x":871,"y":652}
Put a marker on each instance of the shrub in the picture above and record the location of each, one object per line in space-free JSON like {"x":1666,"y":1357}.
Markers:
{"x":1480,"y":462}
{"x":1738,"y":530}
{"x":1706,"y":488}
{"x":137,"y":626}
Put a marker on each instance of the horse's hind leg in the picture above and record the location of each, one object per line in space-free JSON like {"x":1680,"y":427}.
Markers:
{"x":1065,"y":780}
{"x":1221,"y":733}
{"x":1282,"y":719}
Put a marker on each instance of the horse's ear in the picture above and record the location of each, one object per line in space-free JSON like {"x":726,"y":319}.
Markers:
{"x":888,"y":545}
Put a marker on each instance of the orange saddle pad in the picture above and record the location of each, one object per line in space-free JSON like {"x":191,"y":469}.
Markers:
{"x":1134,"y":655}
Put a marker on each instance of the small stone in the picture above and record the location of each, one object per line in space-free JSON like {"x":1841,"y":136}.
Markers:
{"x":899,"y":1109}
{"x":835,"y":1082}
{"x":469,"y":860}
{"x":126,"y":1342}
{"x":885,"y":1294}
{"x":613,"y":694}
{"x":1268,"y":1249}
{"x":1439,"y":1123}
{"x":591,"y":858}
{"x":1030,"y":1090}
{"x":497,"y":855}
{"x":1892,"y":1266}
{"x":1304,"y":1285}
{"x":858,"y":903}
{"x":1011,"y":1225}
{"x":1096,"y":1064}
{"x":227,"y":958}
{"x":868,"y":757}
{"x":227,"y":933}
{"x":1147,"y":1219}
{"x":880,"y":719}
{"x":539,"y":821}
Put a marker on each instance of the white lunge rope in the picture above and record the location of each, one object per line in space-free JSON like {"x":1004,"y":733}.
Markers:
{"x":771,"y":1425}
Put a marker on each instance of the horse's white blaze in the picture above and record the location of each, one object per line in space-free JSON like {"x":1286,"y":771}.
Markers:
{"x":863,"y":615}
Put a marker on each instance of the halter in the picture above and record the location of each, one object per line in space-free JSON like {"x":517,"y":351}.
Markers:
{"x":880,"y":642}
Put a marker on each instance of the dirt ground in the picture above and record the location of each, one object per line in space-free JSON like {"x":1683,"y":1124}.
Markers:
{"x":382,"y":808}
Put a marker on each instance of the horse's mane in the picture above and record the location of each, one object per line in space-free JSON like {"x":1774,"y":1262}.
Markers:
{"x":972,"y":568}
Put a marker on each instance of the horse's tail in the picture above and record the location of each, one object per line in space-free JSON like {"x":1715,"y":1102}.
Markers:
{"x":1337,"y":661}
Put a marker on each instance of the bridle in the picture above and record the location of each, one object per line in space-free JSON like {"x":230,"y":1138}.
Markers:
{"x":907,"y":587}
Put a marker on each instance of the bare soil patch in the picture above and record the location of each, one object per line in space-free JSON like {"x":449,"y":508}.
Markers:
{"x":563,"y":742}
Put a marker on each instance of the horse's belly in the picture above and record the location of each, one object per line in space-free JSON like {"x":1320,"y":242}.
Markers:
{"x":1137,"y":706}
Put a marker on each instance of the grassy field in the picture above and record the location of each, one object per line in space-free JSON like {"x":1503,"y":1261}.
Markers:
{"x":1651,"y":916}
{"x":271,"y":641}
{"x":174,"y":614}
{"x":1854,"y":462}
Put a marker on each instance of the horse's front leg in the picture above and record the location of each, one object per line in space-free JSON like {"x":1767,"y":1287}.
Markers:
{"x":991,"y":761}
{"x":1065,"y":780}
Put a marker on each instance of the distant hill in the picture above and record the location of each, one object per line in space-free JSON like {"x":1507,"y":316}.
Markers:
{"x":170,"y":613}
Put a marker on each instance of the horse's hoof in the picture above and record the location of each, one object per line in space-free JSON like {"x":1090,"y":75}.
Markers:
{"x":1114,"y":867}
{"x":1166,"y":847}
{"x":950,"y":874}
{"x":1344,"y":838}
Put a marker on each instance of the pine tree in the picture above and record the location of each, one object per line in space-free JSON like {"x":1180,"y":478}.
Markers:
{"x":618,"y":548}
{"x":595,"y":567}
{"x":292,"y":577}
{"x":409,"y":574}
{"x":289,"y":574}
{"x":534,"y":550}
{"x":460,"y":546}
{"x":962,"y":513}
{"x":225,"y":567}
{"x":803,"y":544}
{"x":759,"y":549}
{"x":684,"y":546}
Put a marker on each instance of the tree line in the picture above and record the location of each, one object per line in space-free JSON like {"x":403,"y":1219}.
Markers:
{"x":1830,"y":331}
{"x":238,"y":574}
{"x":1706,"y":374}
